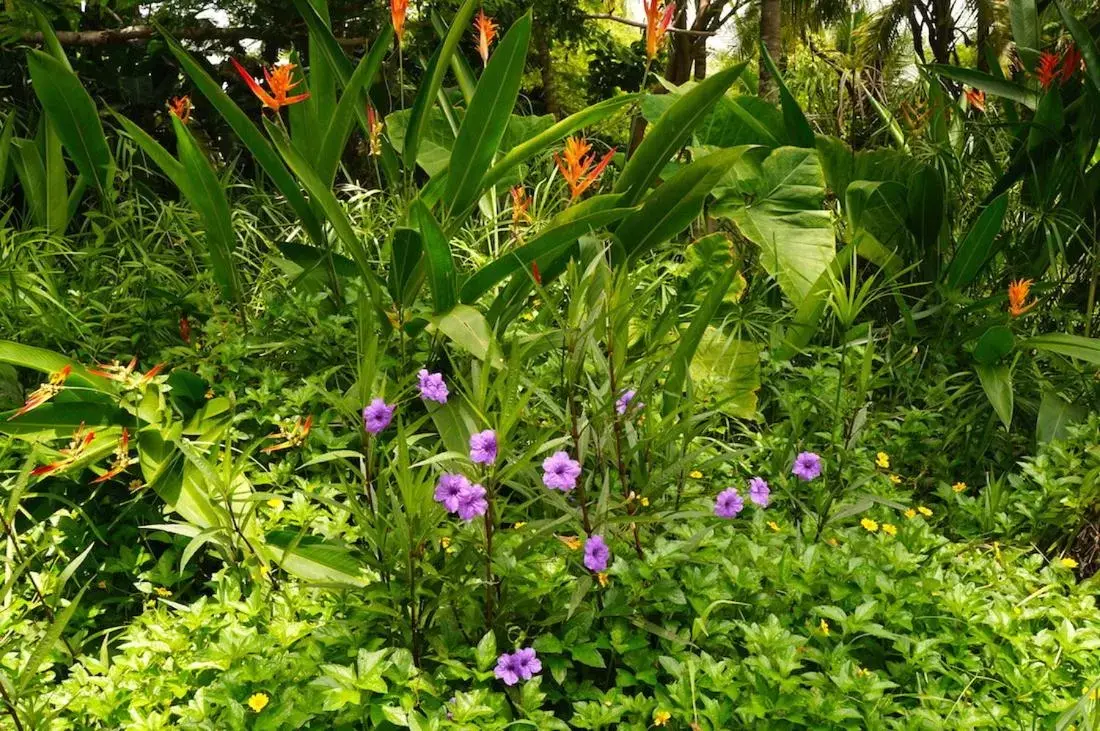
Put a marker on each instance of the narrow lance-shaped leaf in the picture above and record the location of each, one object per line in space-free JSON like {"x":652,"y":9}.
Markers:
{"x":977,"y":246}
{"x":1085,"y":43}
{"x":685,"y":351}
{"x":991,"y":84}
{"x":441,"y":267}
{"x":798,"y":129}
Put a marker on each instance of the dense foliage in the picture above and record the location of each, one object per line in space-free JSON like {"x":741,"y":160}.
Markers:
{"x":325,"y":406}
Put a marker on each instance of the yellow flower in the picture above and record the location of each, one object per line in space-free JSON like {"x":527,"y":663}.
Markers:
{"x":660,"y":718}
{"x":162,"y":592}
{"x":910,"y":513}
{"x":862,"y":672}
{"x":1094,"y":694}
{"x":445,"y":541}
{"x":573,"y":543}
{"x":883,"y":460}
{"x":695,"y":475}
{"x":258,"y":701}
{"x":869,"y":524}
{"x":895,"y":479}
{"x":1068,"y":562}
{"x":889,"y":529}
{"x":645,"y":502}
{"x":602,"y":577}
{"x":832,"y":541}
{"x":773,"y":525}
{"x":520,"y":524}
{"x":824,"y":627}
{"x":924,"y":511}
{"x":959,"y":486}
{"x":275,"y":504}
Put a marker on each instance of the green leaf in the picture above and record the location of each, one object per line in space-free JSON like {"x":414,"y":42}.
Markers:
{"x":47,"y":361}
{"x":1071,"y":346}
{"x":997,"y":383}
{"x":586,"y":654}
{"x":877,"y":213}
{"x":168,"y":164}
{"x":798,"y":129}
{"x":891,"y":122}
{"x":1024,"y":19}
{"x":977,"y":246}
{"x":486,"y":653}
{"x":671,"y":132}
{"x":487,"y":119}
{"x":1085,"y":43}
{"x":442,"y":278}
{"x":433,"y":80}
{"x":49,"y":639}
{"x":991,"y":84}
{"x":1055,"y":415}
{"x":315,"y":559}
{"x":406,"y":254}
{"x":994,"y":344}
{"x":732,"y":366}
{"x":927,"y":206}
{"x":782,"y":213}
{"x":7,"y":132}
{"x":468,"y":329}
{"x":689,"y":342}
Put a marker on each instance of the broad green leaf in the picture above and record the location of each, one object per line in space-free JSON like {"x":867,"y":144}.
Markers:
{"x":442,"y":278}
{"x":1071,"y":346}
{"x":670,"y":133}
{"x":689,"y":341}
{"x":783,"y":214}
{"x":1024,"y":19}
{"x":315,"y":559}
{"x":467,"y":83}
{"x":50,"y":638}
{"x":877,"y":213}
{"x":977,"y":246}
{"x":468,"y":329}
{"x":997,"y":383}
{"x":47,"y":361}
{"x":732,"y":368}
{"x":485,"y":655}
{"x":1055,"y":415}
{"x":7,"y":132}
{"x":927,"y":207}
{"x":407,"y":252}
{"x":798,"y":129}
{"x":989,"y":83}
{"x":994,"y":344}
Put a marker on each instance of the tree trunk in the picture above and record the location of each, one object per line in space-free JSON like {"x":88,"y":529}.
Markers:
{"x":546,"y":68}
{"x":770,"y":11}
{"x":982,"y":34}
{"x":682,"y":57}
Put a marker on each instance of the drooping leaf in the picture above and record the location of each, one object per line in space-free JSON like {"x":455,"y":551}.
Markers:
{"x":1071,"y":346}
{"x":442,"y":276}
{"x":689,"y":341}
{"x":315,"y":560}
{"x":977,"y":246}
{"x":996,"y":381}
{"x":468,"y":329}
{"x":798,"y":129}
{"x":990,"y":84}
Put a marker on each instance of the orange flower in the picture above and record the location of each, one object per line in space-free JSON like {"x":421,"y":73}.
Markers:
{"x":520,"y":205}
{"x":1047,"y":70}
{"x":657,"y":20}
{"x":122,"y":459}
{"x":45,"y":391}
{"x":295,"y":436}
{"x":76,"y":449}
{"x":375,"y":126}
{"x":486,"y":32}
{"x":180,"y":106}
{"x":1017,"y":297}
{"x":279,"y":80}
{"x":976,"y":99}
{"x":578,"y":167}
{"x":398,"y":9}
{"x":1071,"y":63}
{"x":536,"y":273}
{"x":125,"y":375}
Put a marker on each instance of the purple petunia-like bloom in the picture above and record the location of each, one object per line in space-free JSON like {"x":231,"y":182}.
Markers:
{"x":596,"y":554}
{"x":625,"y":400}
{"x":517,"y":666}
{"x":759,"y":492}
{"x":559,"y":472}
{"x":377,"y":416}
{"x":807,"y":466}
{"x":483,"y":447}
{"x":472,"y":502}
{"x":449,"y":489}
{"x":729,"y":503}
{"x":432,"y":387}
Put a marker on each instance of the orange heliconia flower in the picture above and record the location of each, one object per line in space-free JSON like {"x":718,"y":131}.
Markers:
{"x":1047,"y":70}
{"x":486,"y":32}
{"x":122,"y":459}
{"x":180,"y":107}
{"x":1017,"y":297}
{"x":658,"y":18}
{"x":578,"y":167}
{"x":279,"y":79}
{"x":398,"y":9}
{"x":295,"y":436}
{"x":1071,"y":63}
{"x":976,"y":98}
{"x":45,"y":391}
{"x":125,"y":374}
{"x":375,"y":125}
{"x":76,"y":449}
{"x":521,"y":202}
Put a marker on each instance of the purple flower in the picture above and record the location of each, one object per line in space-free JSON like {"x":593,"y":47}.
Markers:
{"x":432,"y":387}
{"x":596,"y":554}
{"x":807,"y":466}
{"x":626,"y":401}
{"x":449,"y":490}
{"x":483,"y":447}
{"x":559,"y":472}
{"x":471,"y":502}
{"x":527,"y":662}
{"x":729,"y":503}
{"x":377,"y":416}
{"x":507,"y":669}
{"x":759,"y":492}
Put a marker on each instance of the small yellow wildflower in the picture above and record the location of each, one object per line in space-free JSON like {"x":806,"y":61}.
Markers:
{"x":773,"y":525}
{"x":824,"y":627}
{"x":924,"y":511}
{"x":695,"y":475}
{"x":162,"y":592}
{"x":870,"y":525}
{"x":889,"y":529}
{"x":445,"y":541}
{"x":573,"y":543}
{"x":520,"y":524}
{"x":660,"y":718}
{"x":258,"y":701}
{"x":1068,"y":562}
{"x":832,"y":541}
{"x":895,"y":479}
{"x":862,"y":672}
{"x":645,"y":502}
{"x":275,"y":504}
{"x":602,"y":577}
{"x":883,"y":460}
{"x":959,"y":486}
{"x":910,"y":513}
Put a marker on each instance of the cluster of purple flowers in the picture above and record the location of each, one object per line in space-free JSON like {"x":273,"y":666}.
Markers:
{"x":432,"y":387}
{"x":519,"y":665}
{"x":483,"y":447}
{"x":730,"y":502}
{"x":378,"y":414}
{"x":455,"y":493}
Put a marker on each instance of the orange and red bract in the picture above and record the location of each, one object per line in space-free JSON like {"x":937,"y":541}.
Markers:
{"x":1017,"y":297}
{"x":1071,"y":63}
{"x":520,"y":205}
{"x":398,"y":9}
{"x":279,"y":79}
{"x":536,"y":273}
{"x":295,"y":436}
{"x":77,"y":446}
{"x":122,"y":459}
{"x":486,"y":33}
{"x":1047,"y":70}
{"x":578,"y":167}
{"x":976,"y":99}
{"x":375,"y":127}
{"x":180,"y":107}
{"x":45,"y":391}
{"x":658,"y":18}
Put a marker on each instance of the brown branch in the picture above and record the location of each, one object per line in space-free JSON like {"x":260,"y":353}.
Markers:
{"x":639,"y":24}
{"x":145,"y":33}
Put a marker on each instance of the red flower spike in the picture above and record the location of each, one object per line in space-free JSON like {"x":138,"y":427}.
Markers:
{"x":1071,"y":63}
{"x":486,"y":33}
{"x":1047,"y":70}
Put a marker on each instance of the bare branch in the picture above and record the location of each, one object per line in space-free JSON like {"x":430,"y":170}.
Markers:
{"x":639,"y":24}
{"x":145,"y":33}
